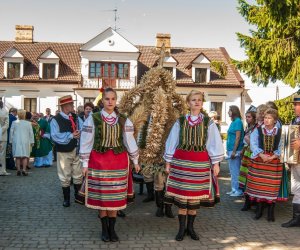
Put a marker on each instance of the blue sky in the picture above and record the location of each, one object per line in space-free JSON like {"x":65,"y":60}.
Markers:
{"x":191,"y":23}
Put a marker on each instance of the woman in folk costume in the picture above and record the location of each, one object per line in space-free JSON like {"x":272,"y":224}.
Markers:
{"x":105,"y":143}
{"x":194,"y":148}
{"x":265,"y":174}
{"x":42,"y":149}
{"x":246,"y":153}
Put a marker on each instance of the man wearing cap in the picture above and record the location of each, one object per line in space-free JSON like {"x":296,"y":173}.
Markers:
{"x":295,"y":172}
{"x":64,"y":132}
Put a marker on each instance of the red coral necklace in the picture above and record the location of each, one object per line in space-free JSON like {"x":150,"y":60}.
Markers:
{"x":109,"y":120}
{"x":196,"y":122}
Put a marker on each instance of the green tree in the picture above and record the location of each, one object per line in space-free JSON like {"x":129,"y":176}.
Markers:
{"x":286,"y":108}
{"x":273,"y":46}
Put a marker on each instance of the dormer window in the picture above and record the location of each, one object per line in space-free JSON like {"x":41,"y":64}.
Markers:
{"x":49,"y":70}
{"x":13,"y":70}
{"x":201,"y":69}
{"x":49,"y":65}
{"x":13,"y":64}
{"x":200,"y":75}
{"x":169,"y":69}
{"x":170,"y":64}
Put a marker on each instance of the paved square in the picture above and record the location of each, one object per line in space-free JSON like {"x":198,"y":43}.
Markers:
{"x":32,"y":217}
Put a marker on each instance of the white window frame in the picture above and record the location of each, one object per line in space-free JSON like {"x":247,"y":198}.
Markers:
{"x":201,"y":66}
{"x":171,"y":65}
{"x":47,"y":61}
{"x":13,"y":60}
{"x":170,"y":62}
{"x":48,"y":57}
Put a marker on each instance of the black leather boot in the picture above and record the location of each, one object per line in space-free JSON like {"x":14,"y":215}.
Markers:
{"x":271,"y":208}
{"x":159,"y":198}
{"x":190,"y":227}
{"x":150,"y":192}
{"x":111,"y":229}
{"x":247,"y":204}
{"x":66,"y":192}
{"x":295,"y":221}
{"x":168,"y":211}
{"x":105,"y":235}
{"x":181,"y":232}
{"x":76,"y":189}
{"x":259,"y":210}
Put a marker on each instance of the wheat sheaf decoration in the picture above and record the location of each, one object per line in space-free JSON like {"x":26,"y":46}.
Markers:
{"x":153,"y":106}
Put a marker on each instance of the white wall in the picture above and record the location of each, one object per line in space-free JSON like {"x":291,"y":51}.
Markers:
{"x":47,"y":94}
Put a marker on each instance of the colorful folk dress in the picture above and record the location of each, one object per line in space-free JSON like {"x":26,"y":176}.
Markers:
{"x":42,"y":149}
{"x":193,"y":145}
{"x":264,"y":179}
{"x":106,"y":140}
{"x":246,"y":159}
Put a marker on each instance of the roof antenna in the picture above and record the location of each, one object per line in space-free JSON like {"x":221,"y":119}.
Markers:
{"x":116,"y":17}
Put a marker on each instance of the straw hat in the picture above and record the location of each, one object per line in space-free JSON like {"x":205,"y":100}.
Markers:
{"x":296,"y":98}
{"x":65,"y":100}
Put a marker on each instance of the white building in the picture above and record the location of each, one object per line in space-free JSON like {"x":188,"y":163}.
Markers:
{"x":33,"y":75}
{"x":107,"y":60}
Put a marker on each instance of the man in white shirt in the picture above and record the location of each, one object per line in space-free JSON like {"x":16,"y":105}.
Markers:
{"x":65,"y":134}
{"x":4,"y":122}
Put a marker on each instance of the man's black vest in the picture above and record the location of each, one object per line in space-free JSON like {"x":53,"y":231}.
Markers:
{"x":65,"y":126}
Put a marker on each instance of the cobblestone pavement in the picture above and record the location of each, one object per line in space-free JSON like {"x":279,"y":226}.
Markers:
{"x":32,"y":217}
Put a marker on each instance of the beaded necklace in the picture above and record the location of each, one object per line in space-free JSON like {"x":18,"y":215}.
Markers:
{"x":109,"y":120}
{"x":196,"y":122}
{"x":270,"y":132}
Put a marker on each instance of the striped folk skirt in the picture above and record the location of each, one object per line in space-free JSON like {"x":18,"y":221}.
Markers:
{"x":246,"y":161}
{"x":264,"y":180}
{"x":190,"y":180}
{"x":109,"y":183}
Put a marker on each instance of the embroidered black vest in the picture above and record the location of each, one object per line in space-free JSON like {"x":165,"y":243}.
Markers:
{"x":193,"y":138}
{"x":65,"y":126}
{"x":108,"y":137}
{"x":269,"y":143}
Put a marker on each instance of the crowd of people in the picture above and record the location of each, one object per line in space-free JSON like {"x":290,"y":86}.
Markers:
{"x":96,"y":150}
{"x":257,"y":167}
{"x":24,"y":135}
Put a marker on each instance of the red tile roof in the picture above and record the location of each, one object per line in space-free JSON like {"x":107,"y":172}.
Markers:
{"x":185,"y":57}
{"x":70,"y":61}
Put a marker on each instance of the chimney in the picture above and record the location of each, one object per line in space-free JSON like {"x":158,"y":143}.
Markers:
{"x":24,"y":34}
{"x":163,"y":39}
